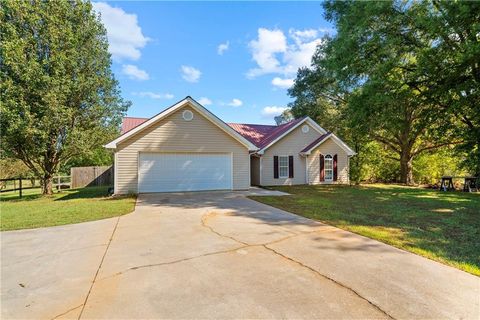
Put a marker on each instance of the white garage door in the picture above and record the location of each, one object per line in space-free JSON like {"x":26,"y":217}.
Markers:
{"x":166,"y":172}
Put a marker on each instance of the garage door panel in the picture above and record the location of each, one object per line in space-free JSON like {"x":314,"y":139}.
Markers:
{"x":164,"y":172}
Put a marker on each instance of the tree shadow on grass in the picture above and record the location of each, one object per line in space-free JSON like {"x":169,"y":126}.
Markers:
{"x":84,"y":193}
{"x":99,"y":193}
{"x":16,"y":197}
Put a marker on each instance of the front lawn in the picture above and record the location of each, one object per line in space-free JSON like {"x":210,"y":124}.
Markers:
{"x":443,"y":226}
{"x":69,"y":206}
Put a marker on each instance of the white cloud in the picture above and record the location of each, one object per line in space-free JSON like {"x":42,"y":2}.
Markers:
{"x":204,"y":101}
{"x":190,"y":74}
{"x":222,"y":47}
{"x":300,"y":36}
{"x":282,"y":83}
{"x":154,"y":95}
{"x":265,"y":50}
{"x":125,"y":37}
{"x":133,"y":72}
{"x":272,"y":111}
{"x":274,"y":53}
{"x":235,"y":103}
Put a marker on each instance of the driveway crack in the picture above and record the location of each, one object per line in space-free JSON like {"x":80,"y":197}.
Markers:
{"x":328,"y":278}
{"x":99,"y":267}
{"x":66,"y":312}
{"x":175,"y":261}
{"x":205,"y":225}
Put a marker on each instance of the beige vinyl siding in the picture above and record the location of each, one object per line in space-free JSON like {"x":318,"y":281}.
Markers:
{"x":290,"y":145}
{"x":174,"y":134}
{"x":313,"y":160}
{"x":255,"y":170}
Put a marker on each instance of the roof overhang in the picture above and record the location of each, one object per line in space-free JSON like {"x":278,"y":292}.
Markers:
{"x":194,"y":105}
{"x":335,"y":139}
{"x":309,"y":120}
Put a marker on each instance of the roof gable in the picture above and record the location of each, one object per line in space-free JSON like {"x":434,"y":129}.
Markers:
{"x":132,"y":129}
{"x":255,"y":136}
{"x":317,"y":142}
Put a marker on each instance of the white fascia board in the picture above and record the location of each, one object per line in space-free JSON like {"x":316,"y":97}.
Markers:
{"x":195,"y":105}
{"x":316,"y":126}
{"x":308,"y":152}
{"x":343,"y":145}
{"x":337,"y":141}
{"x":307,"y":119}
{"x":222,"y":125}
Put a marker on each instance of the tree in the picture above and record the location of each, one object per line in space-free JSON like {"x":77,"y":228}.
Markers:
{"x":59,"y":98}
{"x":450,"y":68}
{"x":373,"y":62}
{"x":285,"y":117}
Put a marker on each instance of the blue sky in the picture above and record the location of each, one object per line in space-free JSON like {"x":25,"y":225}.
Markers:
{"x":237,"y":58}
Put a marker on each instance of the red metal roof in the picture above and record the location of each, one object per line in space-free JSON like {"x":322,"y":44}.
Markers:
{"x":259,"y":134}
{"x":262,"y":135}
{"x":129,"y":123}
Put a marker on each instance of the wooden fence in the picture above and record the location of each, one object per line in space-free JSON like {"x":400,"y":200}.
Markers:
{"x":22,"y":183}
{"x":91,"y":176}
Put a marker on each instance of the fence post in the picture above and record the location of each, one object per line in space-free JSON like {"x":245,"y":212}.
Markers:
{"x":20,"y":185}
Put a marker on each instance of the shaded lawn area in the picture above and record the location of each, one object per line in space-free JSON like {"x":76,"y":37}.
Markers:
{"x":442,"y":226}
{"x":69,"y":206}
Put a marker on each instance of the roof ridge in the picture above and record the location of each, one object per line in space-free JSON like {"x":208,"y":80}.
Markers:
{"x":253,"y":124}
{"x":135,"y":117}
{"x":282,"y":126}
{"x":268,"y":125}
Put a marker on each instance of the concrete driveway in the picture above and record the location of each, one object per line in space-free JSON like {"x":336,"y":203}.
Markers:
{"x":221,"y":255}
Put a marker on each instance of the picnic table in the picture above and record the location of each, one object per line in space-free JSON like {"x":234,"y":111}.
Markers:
{"x":470,"y":183}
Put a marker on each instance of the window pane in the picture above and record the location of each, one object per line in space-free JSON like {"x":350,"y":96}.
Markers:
{"x":328,"y":167}
{"x":328,"y":174}
{"x":283,"y":166}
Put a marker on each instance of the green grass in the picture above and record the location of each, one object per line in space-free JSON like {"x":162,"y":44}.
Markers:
{"x":442,"y":226}
{"x":69,"y":206}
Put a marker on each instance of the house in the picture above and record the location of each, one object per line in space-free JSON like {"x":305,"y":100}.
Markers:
{"x":187,"y":148}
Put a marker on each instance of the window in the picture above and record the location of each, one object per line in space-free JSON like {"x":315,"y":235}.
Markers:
{"x":283,"y":166}
{"x":328,"y":168}
{"x":305,"y":128}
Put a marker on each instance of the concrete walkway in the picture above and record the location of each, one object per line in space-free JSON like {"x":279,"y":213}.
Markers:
{"x":221,"y":255}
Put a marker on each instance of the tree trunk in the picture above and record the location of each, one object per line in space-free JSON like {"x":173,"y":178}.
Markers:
{"x":406,"y":168}
{"x":47,"y":185}
{"x":477,"y":159}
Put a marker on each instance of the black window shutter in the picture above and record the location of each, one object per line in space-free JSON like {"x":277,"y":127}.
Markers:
{"x":275,"y":167}
{"x":335,"y":167}
{"x":290,"y":166}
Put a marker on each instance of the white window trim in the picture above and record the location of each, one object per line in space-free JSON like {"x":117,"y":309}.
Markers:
{"x":325,"y":167}
{"x":288,"y":167}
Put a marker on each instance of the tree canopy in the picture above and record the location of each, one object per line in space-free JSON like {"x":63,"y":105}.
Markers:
{"x":398,"y":73}
{"x":59,"y":98}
